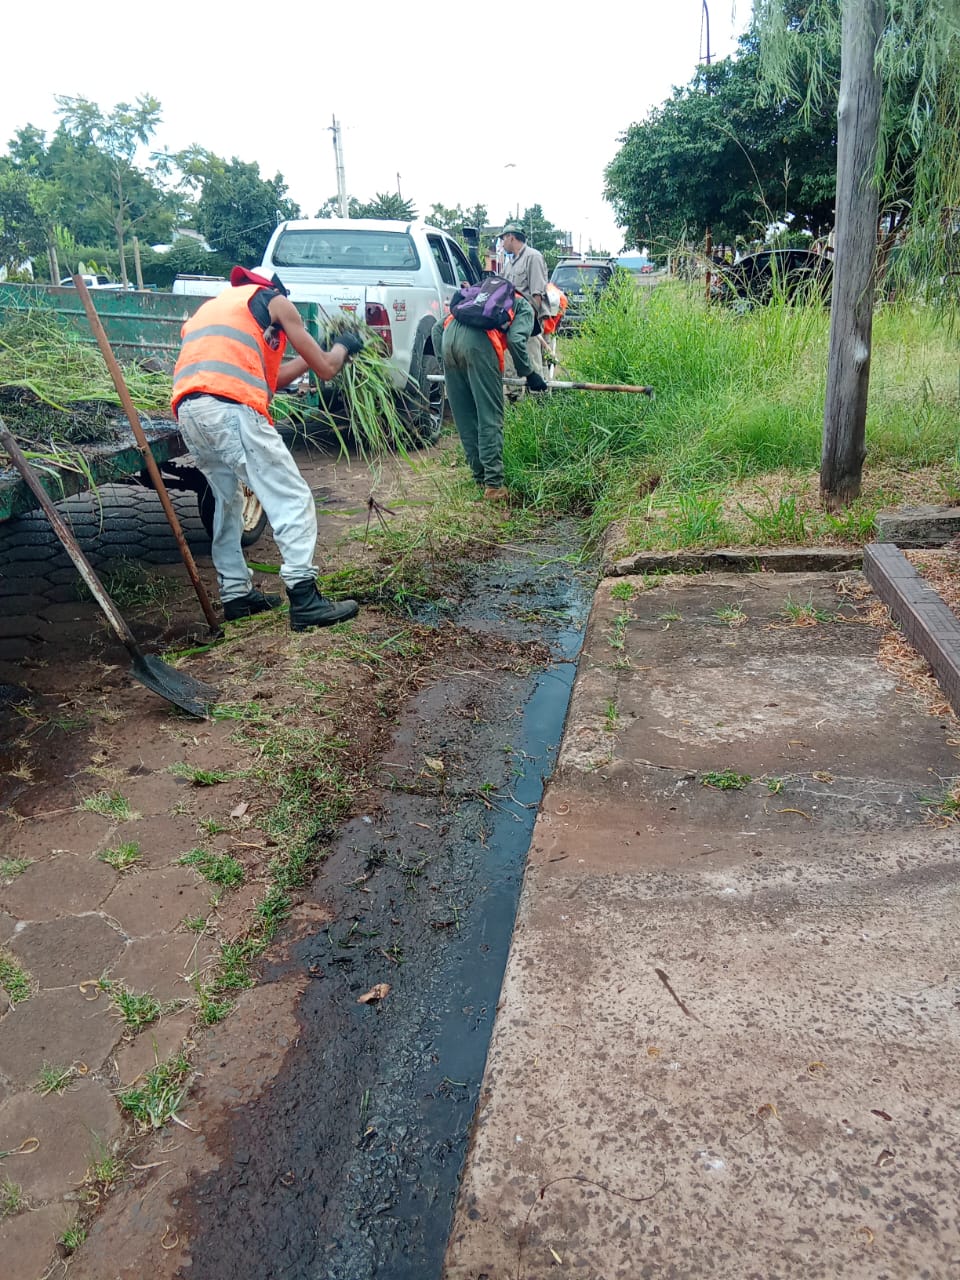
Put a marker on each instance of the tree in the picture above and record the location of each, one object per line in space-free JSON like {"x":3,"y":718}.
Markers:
{"x":715,"y":155}
{"x":331,"y":207}
{"x":237,"y":209}
{"x":386,"y":205}
{"x":24,"y":230}
{"x":103,"y":147}
{"x":899,"y":106}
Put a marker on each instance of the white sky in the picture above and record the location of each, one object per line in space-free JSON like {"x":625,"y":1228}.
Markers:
{"x":414,"y":86}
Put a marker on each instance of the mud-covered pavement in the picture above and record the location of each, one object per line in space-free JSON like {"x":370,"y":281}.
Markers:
{"x":316,"y":1135}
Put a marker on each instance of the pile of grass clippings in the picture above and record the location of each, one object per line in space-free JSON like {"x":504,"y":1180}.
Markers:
{"x":56,"y":387}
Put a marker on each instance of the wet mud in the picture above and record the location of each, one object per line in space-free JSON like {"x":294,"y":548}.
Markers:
{"x":348,"y":1165}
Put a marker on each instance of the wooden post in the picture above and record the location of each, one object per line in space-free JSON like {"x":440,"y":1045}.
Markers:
{"x":136,"y":262}
{"x":851,"y":315}
{"x":708,"y":250}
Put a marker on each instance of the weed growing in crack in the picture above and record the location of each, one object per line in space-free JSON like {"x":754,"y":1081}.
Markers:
{"x":211,"y":827}
{"x":110,"y":804}
{"x":14,"y":979}
{"x":945,"y":805}
{"x":106,"y":1172}
{"x":611,"y":718}
{"x":73,"y":1238}
{"x":623,"y":591}
{"x":804,"y":613}
{"x":161,"y":1094}
{"x":730,"y":616}
{"x":52,"y":1079}
{"x":219,"y":868}
{"x":210,"y":1009}
{"x":136,"y":1010}
{"x":11,"y":1198}
{"x":200,"y":777}
{"x":10,"y":868}
{"x":195,"y":924}
{"x":123,"y":857}
{"x":726,"y":780}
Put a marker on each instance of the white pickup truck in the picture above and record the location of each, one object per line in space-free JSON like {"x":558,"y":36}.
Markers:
{"x":398,"y":277}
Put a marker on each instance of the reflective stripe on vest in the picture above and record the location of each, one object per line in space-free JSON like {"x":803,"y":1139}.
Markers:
{"x":224,"y":354}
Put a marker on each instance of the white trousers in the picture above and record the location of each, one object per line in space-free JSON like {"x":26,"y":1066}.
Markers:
{"x":234,"y":445}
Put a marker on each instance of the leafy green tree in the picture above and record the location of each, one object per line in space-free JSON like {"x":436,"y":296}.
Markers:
{"x":92,"y":159}
{"x":386,"y":205}
{"x":716,"y":155}
{"x":331,"y":207}
{"x":24,"y":230}
{"x":237,"y":209}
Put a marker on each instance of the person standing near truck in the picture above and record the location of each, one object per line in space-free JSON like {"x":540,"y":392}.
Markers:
{"x":527,"y":272}
{"x":473,"y":363}
{"x":228,"y":370}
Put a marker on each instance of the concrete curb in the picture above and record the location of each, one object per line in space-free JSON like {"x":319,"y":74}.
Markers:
{"x":918,"y":610}
{"x":739,"y":560}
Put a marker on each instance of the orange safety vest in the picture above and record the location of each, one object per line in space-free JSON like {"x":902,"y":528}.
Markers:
{"x":224,"y":354}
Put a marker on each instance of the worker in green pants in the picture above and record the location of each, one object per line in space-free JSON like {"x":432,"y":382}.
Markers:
{"x":473,"y":369}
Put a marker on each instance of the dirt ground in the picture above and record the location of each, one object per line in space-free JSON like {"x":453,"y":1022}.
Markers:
{"x":149,"y":859}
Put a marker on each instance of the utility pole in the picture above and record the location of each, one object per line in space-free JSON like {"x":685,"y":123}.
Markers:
{"x":341,"y":180}
{"x":706,"y":20}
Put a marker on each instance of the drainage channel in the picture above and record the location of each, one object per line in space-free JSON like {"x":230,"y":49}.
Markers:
{"x":348,"y":1167}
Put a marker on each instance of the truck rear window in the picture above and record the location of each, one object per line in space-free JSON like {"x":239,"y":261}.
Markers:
{"x":344,"y":248}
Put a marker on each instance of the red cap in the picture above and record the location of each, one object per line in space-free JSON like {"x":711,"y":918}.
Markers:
{"x":241,"y":276}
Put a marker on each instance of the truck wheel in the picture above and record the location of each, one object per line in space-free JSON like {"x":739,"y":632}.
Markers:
{"x":254,"y":516}
{"x":424,"y":406}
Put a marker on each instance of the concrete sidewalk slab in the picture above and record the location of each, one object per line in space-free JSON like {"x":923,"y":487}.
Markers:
{"x":728,"y":1043}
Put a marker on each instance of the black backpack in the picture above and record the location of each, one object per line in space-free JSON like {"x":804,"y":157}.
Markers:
{"x":487,"y":305}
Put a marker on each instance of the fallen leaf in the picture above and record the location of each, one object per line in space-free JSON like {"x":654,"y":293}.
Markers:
{"x":433,"y":764}
{"x":884,"y":1115}
{"x":822,"y":776}
{"x":240,"y":810}
{"x":375,"y":993}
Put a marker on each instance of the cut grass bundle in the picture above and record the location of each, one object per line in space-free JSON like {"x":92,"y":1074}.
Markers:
{"x":44,"y":366}
{"x":365,"y":391}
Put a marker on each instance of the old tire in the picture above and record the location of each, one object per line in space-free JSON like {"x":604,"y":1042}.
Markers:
{"x":254,"y":516}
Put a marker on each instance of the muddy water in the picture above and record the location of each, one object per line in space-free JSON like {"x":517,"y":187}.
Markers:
{"x":348,"y":1167}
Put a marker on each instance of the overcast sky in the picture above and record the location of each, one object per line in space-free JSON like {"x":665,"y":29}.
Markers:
{"x":458,"y":103}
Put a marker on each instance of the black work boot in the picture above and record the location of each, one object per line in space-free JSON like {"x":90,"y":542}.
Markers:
{"x":308,"y":608}
{"x":246,"y":606}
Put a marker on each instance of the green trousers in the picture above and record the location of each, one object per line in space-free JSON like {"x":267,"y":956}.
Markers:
{"x":475,"y":391}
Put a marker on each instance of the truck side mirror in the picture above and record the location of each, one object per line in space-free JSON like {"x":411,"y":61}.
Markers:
{"x":470,"y":234}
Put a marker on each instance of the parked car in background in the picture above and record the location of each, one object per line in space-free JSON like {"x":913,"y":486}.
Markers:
{"x":92,"y":282}
{"x":581,"y":279}
{"x":794,"y":274}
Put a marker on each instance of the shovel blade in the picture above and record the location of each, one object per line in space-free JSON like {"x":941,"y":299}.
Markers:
{"x":190,"y":695}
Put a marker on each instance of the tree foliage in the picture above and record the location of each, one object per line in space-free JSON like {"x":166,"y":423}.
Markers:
{"x":717,"y":155}
{"x":236,"y":209}
{"x":917,"y":168}
{"x":387,"y":205}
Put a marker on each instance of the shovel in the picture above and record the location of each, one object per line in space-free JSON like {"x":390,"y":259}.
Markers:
{"x":192,"y":696}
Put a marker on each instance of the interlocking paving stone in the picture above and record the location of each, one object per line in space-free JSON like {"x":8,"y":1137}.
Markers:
{"x":60,"y":953}
{"x":27,"y":1240}
{"x":164,"y":964}
{"x":156,"y":901}
{"x":153,"y":1044}
{"x":56,"y":1026}
{"x":60,"y":886}
{"x":72,"y":1128}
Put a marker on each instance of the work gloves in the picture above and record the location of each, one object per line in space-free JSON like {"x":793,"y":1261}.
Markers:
{"x":535,"y":382}
{"x":352,"y":341}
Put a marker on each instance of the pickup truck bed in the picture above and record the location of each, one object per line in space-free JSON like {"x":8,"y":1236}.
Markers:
{"x":108,"y":462}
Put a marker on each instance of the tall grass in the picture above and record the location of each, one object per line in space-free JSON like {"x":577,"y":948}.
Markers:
{"x":737,"y":395}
